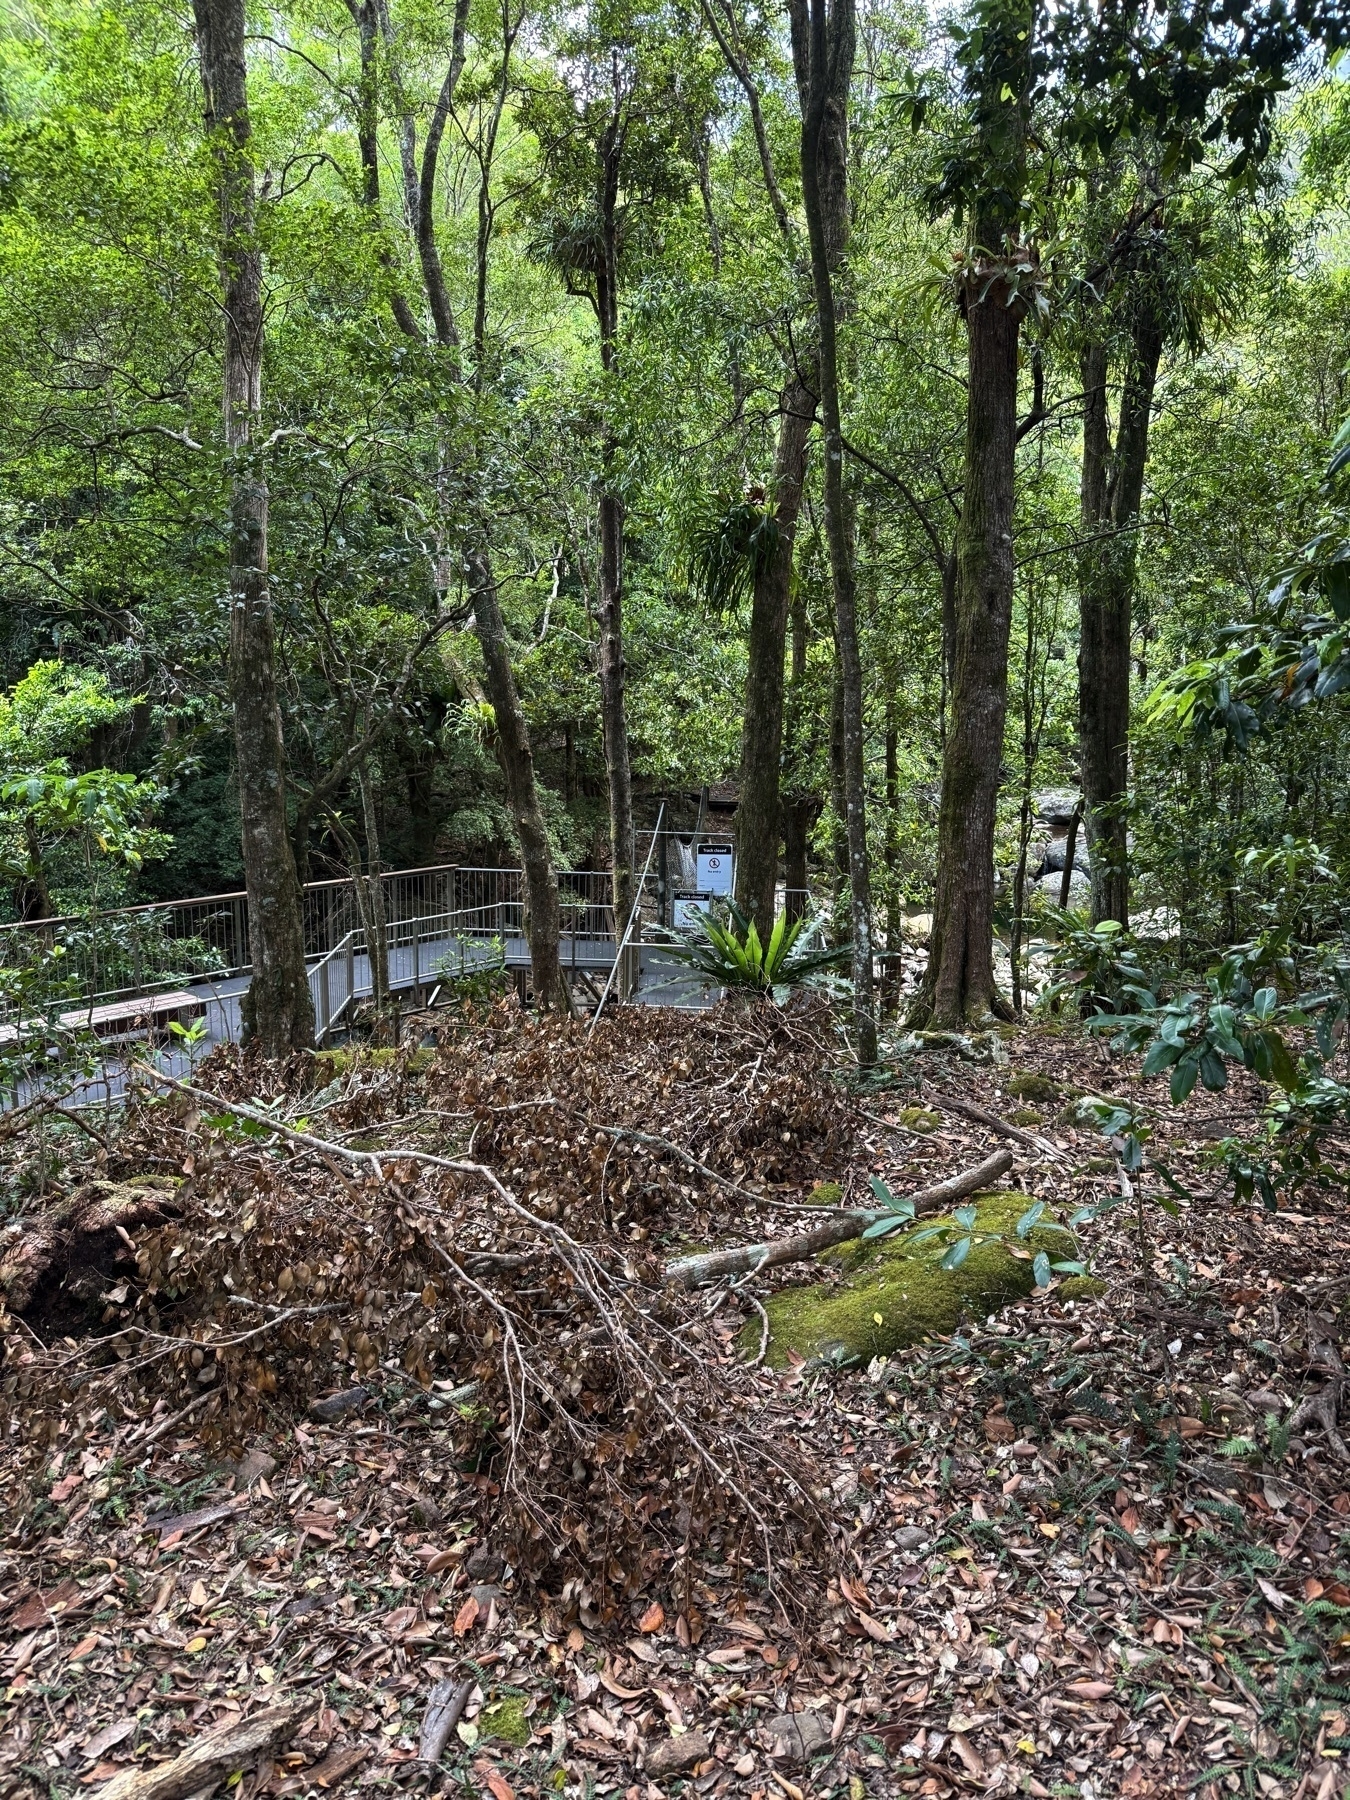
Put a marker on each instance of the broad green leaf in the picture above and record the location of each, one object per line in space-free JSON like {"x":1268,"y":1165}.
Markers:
{"x":958,"y":1253}
{"x":1184,"y":1077}
{"x":1028,"y":1219}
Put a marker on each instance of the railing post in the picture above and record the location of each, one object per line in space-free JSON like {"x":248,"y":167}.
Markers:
{"x":417,"y":960}
{"x":351,"y":973}
{"x":325,"y":1000}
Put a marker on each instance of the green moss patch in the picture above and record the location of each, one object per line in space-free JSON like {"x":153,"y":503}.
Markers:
{"x":826,"y":1193}
{"x":505,"y":1720}
{"x":896,"y":1295}
{"x":331,"y":1065}
{"x":1025,"y":1115}
{"x":1080,"y":1287}
{"x":918,"y":1118}
{"x":1027,"y":1085}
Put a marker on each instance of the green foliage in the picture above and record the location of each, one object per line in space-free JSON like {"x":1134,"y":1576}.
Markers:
{"x":730,"y":551}
{"x":1099,"y":966}
{"x":733,"y":956}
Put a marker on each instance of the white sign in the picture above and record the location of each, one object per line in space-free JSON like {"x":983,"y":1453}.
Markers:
{"x":714,"y":866}
{"x":687,"y":908}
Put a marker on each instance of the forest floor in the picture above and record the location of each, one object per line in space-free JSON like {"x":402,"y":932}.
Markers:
{"x":1070,"y":1550}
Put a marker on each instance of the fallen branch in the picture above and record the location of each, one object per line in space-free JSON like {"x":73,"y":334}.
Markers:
{"x":1324,"y":1407}
{"x":839,"y":1228}
{"x":445,"y":1708}
{"x":211,"y":1759}
{"x":982,"y":1116}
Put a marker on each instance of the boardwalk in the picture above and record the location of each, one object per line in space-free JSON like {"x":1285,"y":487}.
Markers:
{"x":431,"y":950}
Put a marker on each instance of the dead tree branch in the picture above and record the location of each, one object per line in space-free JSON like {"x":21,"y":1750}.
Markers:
{"x":839,"y":1228}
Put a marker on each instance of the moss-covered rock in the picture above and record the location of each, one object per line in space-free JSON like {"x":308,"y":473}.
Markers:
{"x":918,"y":1118}
{"x":1080,"y":1287}
{"x":505,"y":1720}
{"x":826,"y":1193}
{"x":1025,"y":1115}
{"x":1027,"y":1085}
{"x":895,"y":1294}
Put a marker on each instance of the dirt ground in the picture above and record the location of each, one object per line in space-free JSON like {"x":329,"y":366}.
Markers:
{"x":1072,"y":1549}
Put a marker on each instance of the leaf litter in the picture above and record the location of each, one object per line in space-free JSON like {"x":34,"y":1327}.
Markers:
{"x":299,"y":1416}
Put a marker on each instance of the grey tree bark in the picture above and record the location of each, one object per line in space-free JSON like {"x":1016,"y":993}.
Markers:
{"x":278,"y":1010}
{"x":958,"y":986}
{"x":613,"y":673}
{"x":514,"y":750}
{"x":823,"y":44}
{"x":758,"y":811}
{"x":1111,"y":492}
{"x":543,"y":919}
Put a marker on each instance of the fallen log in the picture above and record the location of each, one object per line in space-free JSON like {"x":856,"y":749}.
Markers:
{"x":212,"y":1758}
{"x":838,"y":1228}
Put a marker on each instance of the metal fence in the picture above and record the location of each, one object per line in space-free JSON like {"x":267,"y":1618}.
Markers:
{"x":137,"y":950}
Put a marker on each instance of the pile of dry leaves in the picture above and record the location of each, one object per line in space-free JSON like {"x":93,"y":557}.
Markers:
{"x":354,"y":1439}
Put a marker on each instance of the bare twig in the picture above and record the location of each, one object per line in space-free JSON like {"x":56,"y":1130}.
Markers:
{"x":982,"y":1116}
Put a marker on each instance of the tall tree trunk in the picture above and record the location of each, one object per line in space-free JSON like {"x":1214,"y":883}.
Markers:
{"x":377,"y":941}
{"x":1112,"y":489}
{"x":543,"y":922}
{"x":800,"y":806}
{"x":433,"y":278}
{"x":959,"y":982}
{"x":958,"y":985}
{"x":613,"y":705}
{"x":890,"y":986}
{"x":838,"y":801}
{"x":278,"y":1010}
{"x":366,"y":16}
{"x":757,"y":816}
{"x":823,"y":48}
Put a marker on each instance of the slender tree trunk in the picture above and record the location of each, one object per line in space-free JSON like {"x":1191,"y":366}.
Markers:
{"x":613,"y":705}
{"x":890,"y":986}
{"x":543,"y":923}
{"x":800,"y":807}
{"x":433,"y":278}
{"x":959,"y":982}
{"x":757,"y":817}
{"x":958,"y":986}
{"x":367,"y":140}
{"x":823,"y":53}
{"x":838,"y":801}
{"x":377,"y":942}
{"x":1112,"y":489}
{"x":278,"y":1010}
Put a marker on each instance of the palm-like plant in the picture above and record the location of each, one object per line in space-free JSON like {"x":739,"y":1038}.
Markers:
{"x":734,"y":955}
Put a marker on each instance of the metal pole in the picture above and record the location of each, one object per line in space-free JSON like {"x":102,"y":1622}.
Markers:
{"x":628,"y":931}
